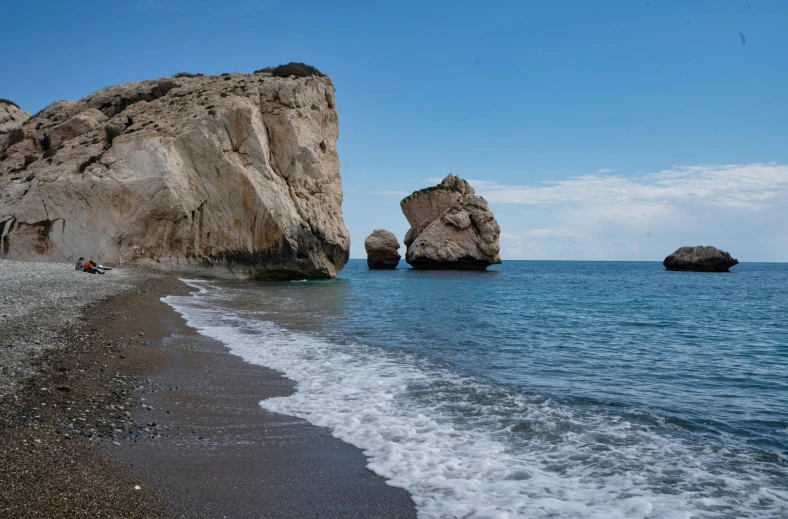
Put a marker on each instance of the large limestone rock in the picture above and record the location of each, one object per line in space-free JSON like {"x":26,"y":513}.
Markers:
{"x":700,"y":259}
{"x":77,"y":125}
{"x":451,"y":228}
{"x":382,"y":250}
{"x":11,"y":116}
{"x":423,"y":207}
{"x":232,"y":175}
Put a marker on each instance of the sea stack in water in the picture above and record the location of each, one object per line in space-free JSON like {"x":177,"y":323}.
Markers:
{"x":700,"y":259}
{"x":234,"y":175}
{"x":381,"y":247}
{"x":450,"y":228}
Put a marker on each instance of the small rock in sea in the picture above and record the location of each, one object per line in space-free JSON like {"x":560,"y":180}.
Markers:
{"x":382,"y":250}
{"x":700,"y":259}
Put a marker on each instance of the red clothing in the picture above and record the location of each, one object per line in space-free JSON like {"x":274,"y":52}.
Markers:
{"x":87,"y":266}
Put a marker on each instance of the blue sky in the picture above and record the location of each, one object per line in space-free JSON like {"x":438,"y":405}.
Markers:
{"x":597,"y":130}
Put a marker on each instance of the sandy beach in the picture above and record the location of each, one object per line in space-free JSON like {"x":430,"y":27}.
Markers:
{"x":113,"y":407}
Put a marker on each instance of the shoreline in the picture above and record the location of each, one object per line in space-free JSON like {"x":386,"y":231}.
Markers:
{"x":131,"y":397}
{"x":70,"y":393}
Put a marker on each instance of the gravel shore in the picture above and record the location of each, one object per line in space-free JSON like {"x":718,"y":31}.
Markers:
{"x":72,"y":372}
{"x":114,"y":408}
{"x":37,"y":300}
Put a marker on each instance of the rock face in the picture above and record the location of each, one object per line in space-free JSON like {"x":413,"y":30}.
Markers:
{"x":234,"y":175}
{"x":381,"y":247}
{"x":423,"y":207}
{"x":700,"y":259}
{"x":451,"y":228}
{"x":11,"y":116}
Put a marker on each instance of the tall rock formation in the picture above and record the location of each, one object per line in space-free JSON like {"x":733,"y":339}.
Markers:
{"x":702,"y":258}
{"x":451,"y":228}
{"x":234,"y":175}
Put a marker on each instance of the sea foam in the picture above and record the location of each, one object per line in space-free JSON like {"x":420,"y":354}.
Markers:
{"x":465,"y":448}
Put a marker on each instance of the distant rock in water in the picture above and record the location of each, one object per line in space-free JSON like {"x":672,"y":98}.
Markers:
{"x":233,"y":175}
{"x":700,"y":259}
{"x":381,"y":247}
{"x":451,"y":228}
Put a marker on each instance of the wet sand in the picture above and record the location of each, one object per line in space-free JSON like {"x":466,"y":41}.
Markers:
{"x":195,"y":441}
{"x":221,"y":455}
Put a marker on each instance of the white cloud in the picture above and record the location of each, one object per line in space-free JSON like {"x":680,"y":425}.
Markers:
{"x":605,"y":170}
{"x":643,"y":216}
{"x":749,"y":185}
{"x":542,"y":233}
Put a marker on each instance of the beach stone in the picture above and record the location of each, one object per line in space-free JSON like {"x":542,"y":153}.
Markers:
{"x":700,"y":259}
{"x":451,"y":228}
{"x":382,"y":250}
{"x":231,"y":176}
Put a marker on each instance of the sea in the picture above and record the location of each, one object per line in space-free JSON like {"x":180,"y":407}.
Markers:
{"x":536,"y":389}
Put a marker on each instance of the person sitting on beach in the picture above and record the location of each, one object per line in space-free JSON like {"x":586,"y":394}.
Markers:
{"x":129,"y":122}
{"x":80,"y":265}
{"x":90,"y":267}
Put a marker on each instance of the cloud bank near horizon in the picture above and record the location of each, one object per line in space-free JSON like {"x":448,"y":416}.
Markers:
{"x":742,"y":208}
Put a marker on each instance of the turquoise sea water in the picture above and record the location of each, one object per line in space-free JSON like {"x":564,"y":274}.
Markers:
{"x":536,"y":389}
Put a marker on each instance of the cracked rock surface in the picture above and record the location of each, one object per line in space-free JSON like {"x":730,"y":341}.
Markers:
{"x":11,"y":116}
{"x":235,"y":175}
{"x":451,"y":228}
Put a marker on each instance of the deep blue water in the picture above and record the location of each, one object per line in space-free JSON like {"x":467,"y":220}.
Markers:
{"x":571,"y":389}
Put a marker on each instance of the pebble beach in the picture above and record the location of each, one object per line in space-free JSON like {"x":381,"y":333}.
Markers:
{"x":112,"y":407}
{"x":37,"y":300}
